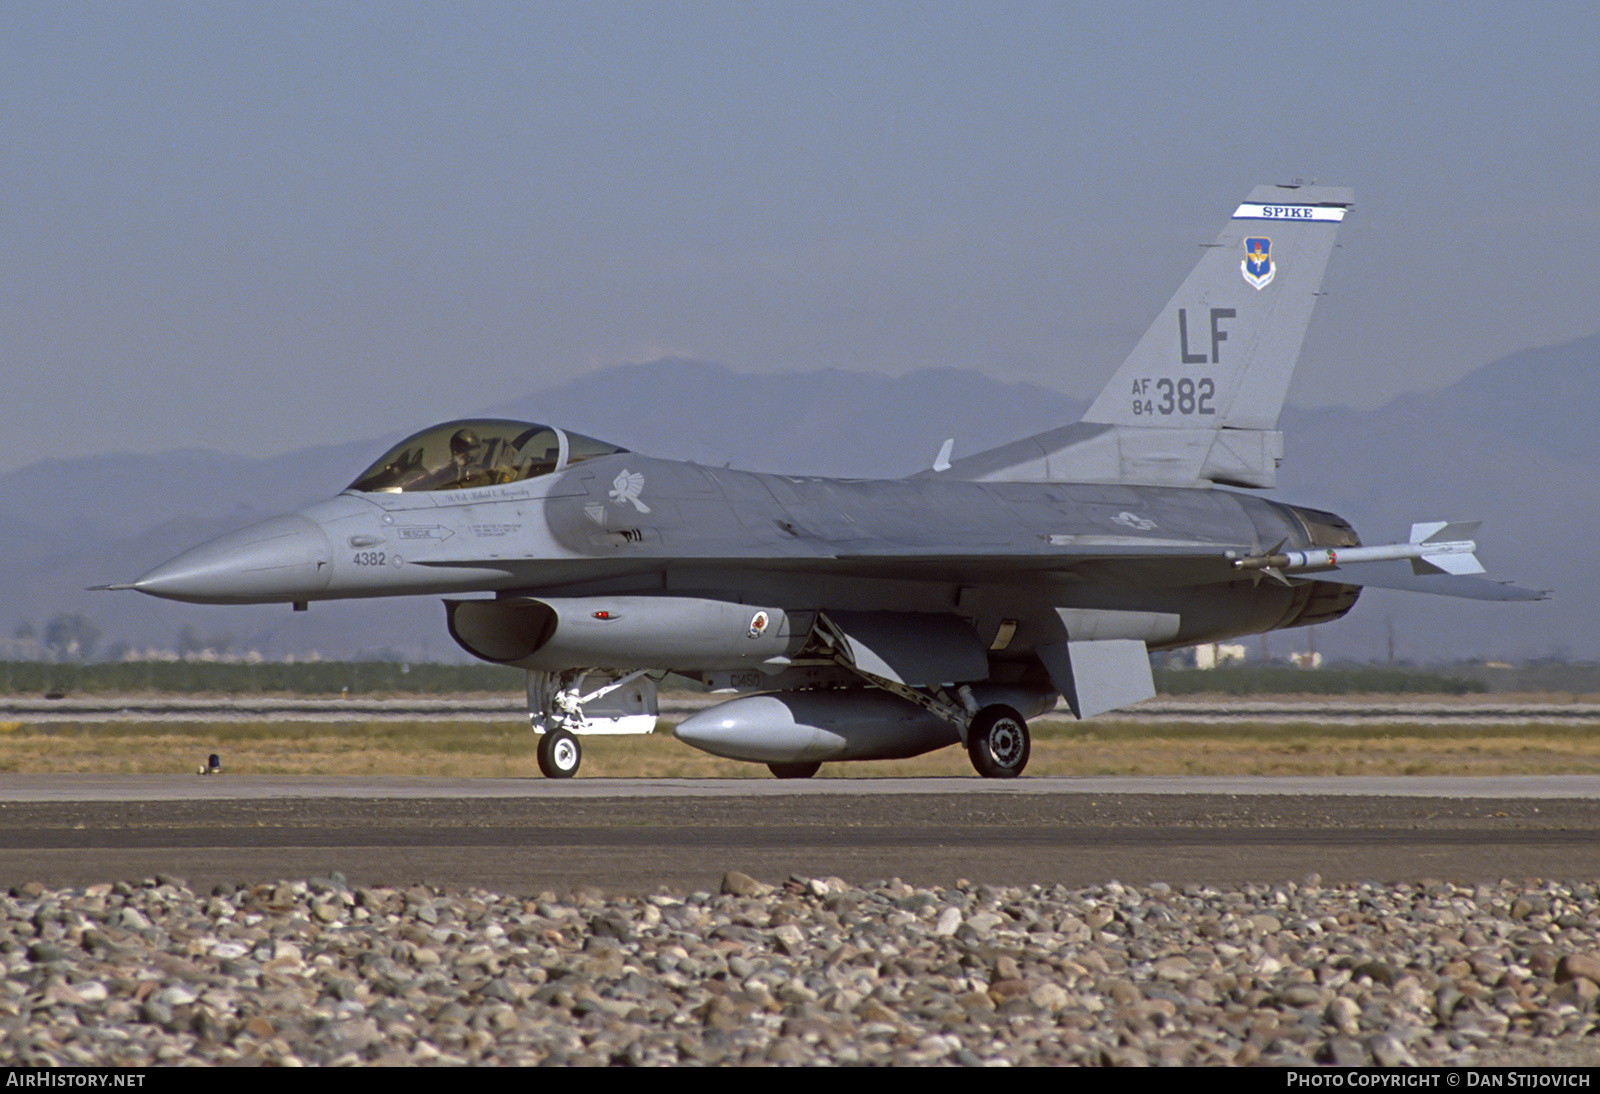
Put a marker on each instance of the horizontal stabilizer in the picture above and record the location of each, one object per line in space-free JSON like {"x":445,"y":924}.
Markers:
{"x":1397,"y":574}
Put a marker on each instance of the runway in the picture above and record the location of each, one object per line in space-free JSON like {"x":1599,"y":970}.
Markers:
{"x":1165,"y":711}
{"x":641,"y":835}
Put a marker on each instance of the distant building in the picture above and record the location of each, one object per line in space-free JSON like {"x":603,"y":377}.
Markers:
{"x":1216,"y":654}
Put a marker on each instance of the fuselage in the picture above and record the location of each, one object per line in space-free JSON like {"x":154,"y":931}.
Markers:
{"x":629,"y":524}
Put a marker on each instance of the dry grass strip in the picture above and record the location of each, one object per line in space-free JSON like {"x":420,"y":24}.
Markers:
{"x":476,"y":749}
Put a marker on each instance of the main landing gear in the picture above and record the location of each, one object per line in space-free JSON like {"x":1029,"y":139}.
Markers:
{"x":996,"y":735}
{"x":998,"y":742}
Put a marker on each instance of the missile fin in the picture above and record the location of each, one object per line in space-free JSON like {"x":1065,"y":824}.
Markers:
{"x":1457,"y":562}
{"x":1444,"y":531}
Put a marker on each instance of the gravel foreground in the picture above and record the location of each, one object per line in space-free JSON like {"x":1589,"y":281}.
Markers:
{"x":811,"y":971}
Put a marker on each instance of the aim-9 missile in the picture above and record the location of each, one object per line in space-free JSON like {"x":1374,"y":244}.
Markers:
{"x":1436,"y":547}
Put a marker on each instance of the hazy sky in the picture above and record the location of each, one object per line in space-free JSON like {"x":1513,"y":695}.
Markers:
{"x":260,"y":226}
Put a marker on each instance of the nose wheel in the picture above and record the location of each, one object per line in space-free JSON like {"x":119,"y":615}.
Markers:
{"x":998,"y":742}
{"x":559,"y":754}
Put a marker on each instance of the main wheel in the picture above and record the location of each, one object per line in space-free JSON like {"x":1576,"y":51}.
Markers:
{"x":997,"y":742}
{"x":794,"y":771}
{"x":559,"y":754}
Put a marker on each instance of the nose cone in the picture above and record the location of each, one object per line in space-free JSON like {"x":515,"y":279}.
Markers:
{"x":282,"y":559}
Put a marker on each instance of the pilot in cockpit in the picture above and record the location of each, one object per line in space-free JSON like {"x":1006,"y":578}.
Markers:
{"x":463,"y":455}
{"x":468,"y":466}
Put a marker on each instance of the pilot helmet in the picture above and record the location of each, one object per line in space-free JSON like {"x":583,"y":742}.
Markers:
{"x":463,"y":441}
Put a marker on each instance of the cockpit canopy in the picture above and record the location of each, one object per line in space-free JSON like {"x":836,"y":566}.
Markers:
{"x":477,"y":452}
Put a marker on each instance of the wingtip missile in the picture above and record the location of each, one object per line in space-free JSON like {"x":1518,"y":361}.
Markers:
{"x":1437,"y":547}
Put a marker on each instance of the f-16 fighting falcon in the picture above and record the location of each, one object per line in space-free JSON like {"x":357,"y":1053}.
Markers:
{"x":875,"y":619}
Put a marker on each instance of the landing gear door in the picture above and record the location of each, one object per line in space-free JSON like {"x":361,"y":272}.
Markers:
{"x":630,"y":708}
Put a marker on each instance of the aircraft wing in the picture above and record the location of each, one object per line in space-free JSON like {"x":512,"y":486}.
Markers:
{"x":1053,"y":553}
{"x":1395,"y":574}
{"x":1058,"y":554}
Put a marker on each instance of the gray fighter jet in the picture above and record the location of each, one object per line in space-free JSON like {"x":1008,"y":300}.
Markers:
{"x":875,"y":619}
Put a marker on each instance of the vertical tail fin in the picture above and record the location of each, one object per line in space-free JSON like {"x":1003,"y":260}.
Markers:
{"x":1198,"y":399}
{"x":1223,"y":350}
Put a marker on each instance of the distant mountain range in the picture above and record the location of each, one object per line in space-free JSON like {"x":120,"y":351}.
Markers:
{"x":1512,"y":443}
